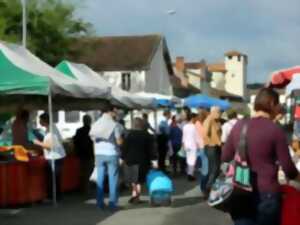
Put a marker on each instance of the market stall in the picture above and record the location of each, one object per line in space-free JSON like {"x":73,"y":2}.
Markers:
{"x":289,"y":79}
{"x":28,"y":82}
{"x":281,"y":78}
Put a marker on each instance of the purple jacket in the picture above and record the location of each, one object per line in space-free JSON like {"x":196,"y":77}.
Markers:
{"x":267,"y":150}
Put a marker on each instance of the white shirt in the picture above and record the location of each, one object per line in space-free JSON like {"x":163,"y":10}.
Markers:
{"x":226,"y":129}
{"x":190,"y":137}
{"x":109,"y":147}
{"x":57,"y":151}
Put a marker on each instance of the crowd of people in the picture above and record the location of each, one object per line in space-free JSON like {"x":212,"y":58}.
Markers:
{"x":186,"y":143}
{"x":195,"y":144}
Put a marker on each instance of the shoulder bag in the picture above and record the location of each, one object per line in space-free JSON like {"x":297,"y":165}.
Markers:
{"x":234,"y":183}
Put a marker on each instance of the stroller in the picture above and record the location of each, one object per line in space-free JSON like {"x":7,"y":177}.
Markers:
{"x":160,"y":188}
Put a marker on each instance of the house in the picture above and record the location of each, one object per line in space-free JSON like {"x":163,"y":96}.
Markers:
{"x":229,"y":76}
{"x":133,"y":63}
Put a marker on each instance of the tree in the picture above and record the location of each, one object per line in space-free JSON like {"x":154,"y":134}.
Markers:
{"x":51,"y":26}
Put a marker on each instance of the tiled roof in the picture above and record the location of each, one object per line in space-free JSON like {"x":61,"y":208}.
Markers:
{"x":118,"y":53}
{"x":194,"y":65}
{"x":218,"y":67}
{"x":234,"y":53}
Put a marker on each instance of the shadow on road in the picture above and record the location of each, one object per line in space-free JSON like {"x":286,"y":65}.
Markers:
{"x":73,"y":210}
{"x":176,"y":203}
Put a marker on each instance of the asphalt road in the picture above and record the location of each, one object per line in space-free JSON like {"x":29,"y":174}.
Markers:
{"x":188,"y":208}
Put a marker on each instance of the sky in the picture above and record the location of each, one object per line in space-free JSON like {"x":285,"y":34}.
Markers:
{"x":268,"y":31}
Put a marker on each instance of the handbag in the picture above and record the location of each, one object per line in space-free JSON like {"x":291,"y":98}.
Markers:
{"x":236,"y":182}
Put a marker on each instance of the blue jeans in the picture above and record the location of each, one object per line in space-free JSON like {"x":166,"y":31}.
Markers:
{"x":203,"y":161}
{"x":107,"y":165}
{"x":266,"y":211}
{"x":203,"y":169}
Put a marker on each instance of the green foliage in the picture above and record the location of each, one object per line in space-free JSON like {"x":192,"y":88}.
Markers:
{"x":51,"y":26}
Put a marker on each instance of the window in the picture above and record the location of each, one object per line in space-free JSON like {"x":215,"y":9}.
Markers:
{"x":230,"y":57}
{"x":239,"y":58}
{"x":126,"y":82}
{"x":72,"y":116}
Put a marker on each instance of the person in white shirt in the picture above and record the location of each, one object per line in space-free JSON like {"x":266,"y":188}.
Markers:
{"x":227,"y":127}
{"x":107,"y":136}
{"x":191,"y":143}
{"x":54,"y":153}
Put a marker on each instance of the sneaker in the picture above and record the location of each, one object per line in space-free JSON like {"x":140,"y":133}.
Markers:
{"x":191,"y":178}
{"x":101,"y":206}
{"x":134,"y":200}
{"x":115,"y":208}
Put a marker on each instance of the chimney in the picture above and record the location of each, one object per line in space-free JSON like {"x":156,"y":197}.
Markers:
{"x":180,"y":64}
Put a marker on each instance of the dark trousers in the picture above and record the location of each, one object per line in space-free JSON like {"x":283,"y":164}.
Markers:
{"x":58,"y":164}
{"x":86,"y":170}
{"x":176,"y":159}
{"x":262,"y":209}
{"x":162,"y":142}
{"x":214,"y":162}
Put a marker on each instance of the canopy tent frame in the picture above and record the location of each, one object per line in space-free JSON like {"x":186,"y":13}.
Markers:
{"x":118,"y":97}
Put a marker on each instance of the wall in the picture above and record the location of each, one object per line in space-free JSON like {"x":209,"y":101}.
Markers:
{"x":194,"y":78}
{"x":236,"y":75}
{"x":155,"y":80}
{"x":218,"y":80}
{"x":137,"y":79}
{"x":158,"y":78}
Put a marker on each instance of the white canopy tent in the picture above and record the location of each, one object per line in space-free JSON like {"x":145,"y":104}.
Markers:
{"x":83,"y":73}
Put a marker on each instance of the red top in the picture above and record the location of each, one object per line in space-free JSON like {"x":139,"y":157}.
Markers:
{"x":267,"y":149}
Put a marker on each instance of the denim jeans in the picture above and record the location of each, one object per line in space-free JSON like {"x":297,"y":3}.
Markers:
{"x":267,"y":211}
{"x":107,"y":165}
{"x":203,"y":162}
{"x":203,"y":169}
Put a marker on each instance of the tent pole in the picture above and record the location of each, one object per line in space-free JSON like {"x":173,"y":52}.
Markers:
{"x":52,"y":146}
{"x":155,"y":120}
{"x":131,"y":118}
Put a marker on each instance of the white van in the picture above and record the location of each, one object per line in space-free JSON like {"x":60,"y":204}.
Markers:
{"x":68,"y":122}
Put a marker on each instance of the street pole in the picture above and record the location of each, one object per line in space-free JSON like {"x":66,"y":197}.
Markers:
{"x":24,"y":23}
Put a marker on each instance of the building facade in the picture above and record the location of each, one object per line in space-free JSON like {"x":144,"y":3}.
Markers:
{"x":133,"y":63}
{"x":229,"y":76}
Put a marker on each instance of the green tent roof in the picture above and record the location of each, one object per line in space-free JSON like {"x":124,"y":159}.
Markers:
{"x":15,"y":80}
{"x":64,"y":68}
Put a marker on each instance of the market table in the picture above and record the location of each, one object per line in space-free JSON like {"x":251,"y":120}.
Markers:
{"x":26,"y":182}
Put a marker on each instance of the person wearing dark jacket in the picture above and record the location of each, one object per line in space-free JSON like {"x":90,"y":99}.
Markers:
{"x":176,"y":142}
{"x":83,"y":146}
{"x":138,"y":151}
